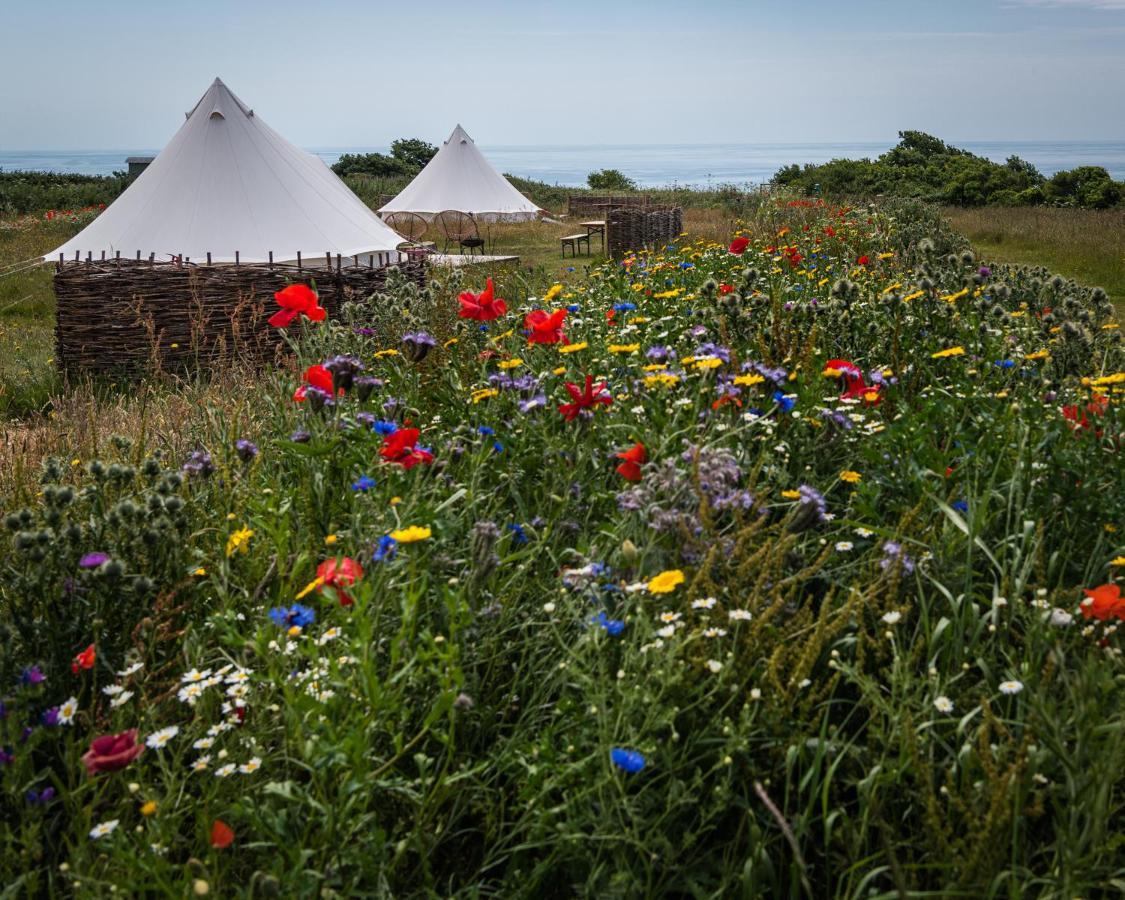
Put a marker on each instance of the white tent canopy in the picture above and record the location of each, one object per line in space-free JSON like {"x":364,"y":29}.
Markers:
{"x":460,"y":178}
{"x":227,"y":183}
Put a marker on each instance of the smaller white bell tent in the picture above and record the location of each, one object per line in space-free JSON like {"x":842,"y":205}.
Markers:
{"x":460,"y":178}
{"x":230,"y":186}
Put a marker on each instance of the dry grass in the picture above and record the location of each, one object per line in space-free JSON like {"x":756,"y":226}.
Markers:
{"x":1088,"y":245}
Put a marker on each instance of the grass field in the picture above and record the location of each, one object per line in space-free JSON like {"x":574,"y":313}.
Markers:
{"x":1087,"y":245}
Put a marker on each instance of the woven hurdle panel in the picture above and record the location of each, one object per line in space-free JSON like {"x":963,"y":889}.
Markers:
{"x":635,"y":229}
{"x":125,"y":316}
{"x":593,"y":204}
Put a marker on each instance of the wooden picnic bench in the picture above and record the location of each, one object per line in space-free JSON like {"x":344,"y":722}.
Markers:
{"x":574,"y":242}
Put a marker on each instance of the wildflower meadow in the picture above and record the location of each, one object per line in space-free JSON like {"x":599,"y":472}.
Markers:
{"x":787,"y":565}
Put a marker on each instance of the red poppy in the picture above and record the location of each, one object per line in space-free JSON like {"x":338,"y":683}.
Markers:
{"x":339,"y":574}
{"x":84,"y":660}
{"x":297,"y":300}
{"x":399,"y":447}
{"x":633,"y":458}
{"x":864,"y":260}
{"x":1103,"y":603}
{"x":482,"y":307}
{"x":544,"y":328}
{"x":738,"y":245}
{"x":318,"y":377}
{"x":855,"y":388}
{"x":222,"y":836}
{"x":611,"y":316}
{"x":726,"y":289}
{"x":112,"y":752}
{"x":793,"y":257}
{"x":724,"y":400}
{"x":830,"y":231}
{"x":1096,"y":407}
{"x":584,"y":399}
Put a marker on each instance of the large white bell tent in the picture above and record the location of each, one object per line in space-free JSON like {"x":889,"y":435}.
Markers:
{"x":460,"y":178}
{"x":230,"y":188}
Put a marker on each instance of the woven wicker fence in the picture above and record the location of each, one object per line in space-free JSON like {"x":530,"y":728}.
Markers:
{"x":634,"y":229}
{"x":592,"y":204}
{"x":127,"y":316}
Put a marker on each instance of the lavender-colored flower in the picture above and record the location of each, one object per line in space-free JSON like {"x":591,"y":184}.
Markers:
{"x":365,"y":385}
{"x":50,"y":717}
{"x":416,"y":345}
{"x":343,"y":369}
{"x":199,"y":464}
{"x":698,"y":331}
{"x":318,"y":399}
{"x":364,"y":331}
{"x":894,"y":554}
{"x":300,"y":436}
{"x":658,"y":353}
{"x":984,"y":271}
{"x":245,"y":449}
{"x":539,"y":400}
{"x":93,"y":560}
{"x":365,"y":419}
{"x":838,"y":419}
{"x":32,"y":675}
{"x":40,"y":798}
{"x":712,"y":349}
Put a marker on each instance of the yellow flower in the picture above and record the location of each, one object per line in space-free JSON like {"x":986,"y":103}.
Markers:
{"x":309,"y":588}
{"x":76,"y":462}
{"x":624,"y":348}
{"x":294,"y":631}
{"x":668,"y":295}
{"x":1107,"y":380}
{"x":1039,"y":354}
{"x":391,"y":352}
{"x":851,"y":477}
{"x":560,"y":370}
{"x":913,"y":296}
{"x":1109,"y":326}
{"x":1120,"y":561}
{"x":506,"y":334}
{"x":708,"y":362}
{"x":200,"y":572}
{"x":829,"y":372}
{"x":638,"y":320}
{"x":411,"y":533}
{"x":885,"y":256}
{"x":449,"y":343}
{"x":952,"y":351}
{"x":510,"y":363}
{"x":666,"y":582}
{"x":791,"y":495}
{"x":555,"y":290}
{"x":395,"y":501}
{"x":666,"y":379}
{"x":330,"y":539}
{"x":148,"y":809}
{"x":483,"y":394}
{"x":748,"y":380}
{"x":953,"y":298}
{"x":239,"y":541}
{"x":574,"y":348}
{"x":231,"y":517}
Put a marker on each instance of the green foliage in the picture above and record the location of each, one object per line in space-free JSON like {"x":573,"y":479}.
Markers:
{"x":924,"y":167}
{"x":825,"y":704}
{"x":408,"y":156}
{"x":28,"y":192}
{"x":610,"y":180}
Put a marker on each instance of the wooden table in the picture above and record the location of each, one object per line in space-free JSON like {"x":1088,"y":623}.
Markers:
{"x":595,"y":227}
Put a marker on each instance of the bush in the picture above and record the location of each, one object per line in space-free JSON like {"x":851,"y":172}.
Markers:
{"x":610,"y":180}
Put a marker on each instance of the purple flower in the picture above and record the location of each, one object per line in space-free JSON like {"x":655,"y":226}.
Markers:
{"x":631,"y":761}
{"x":245,"y":449}
{"x":7,"y":757}
{"x":416,"y":345}
{"x":300,"y":436}
{"x":343,"y":369}
{"x":658,"y":354}
{"x":892,"y":554}
{"x":40,"y":798}
{"x":50,"y":717}
{"x":365,"y":385}
{"x":93,"y":560}
{"x":32,"y":675}
{"x":199,"y":463}
{"x":532,"y":403}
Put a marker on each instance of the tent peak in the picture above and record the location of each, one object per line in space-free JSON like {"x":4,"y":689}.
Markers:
{"x":459,"y":135}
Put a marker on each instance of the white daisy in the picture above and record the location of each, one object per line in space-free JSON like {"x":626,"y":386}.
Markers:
{"x":226,"y":771}
{"x":194,"y":675}
{"x":129,"y":670}
{"x":705,"y":603}
{"x":68,"y":711}
{"x":893,"y":617}
{"x":242,"y":675}
{"x":740,"y":615}
{"x":714,"y":665}
{"x":943,"y":704}
{"x":1060,"y":618}
{"x":844,"y":546}
{"x":1011,"y":688}
{"x":670,"y":616}
{"x":864,"y":532}
{"x":714,"y":632}
{"x":667,"y":631}
{"x":103,"y":828}
{"x":332,"y":633}
{"x":204,"y":743}
{"x":189,"y":693}
{"x":158,"y":739}
{"x":121,"y":699}
{"x":251,"y":766}
{"x":112,"y":690}
{"x":201,"y":764}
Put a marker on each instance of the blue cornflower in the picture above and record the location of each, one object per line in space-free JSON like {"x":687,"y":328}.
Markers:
{"x":613,"y":627}
{"x":573,"y":307}
{"x":386,"y":549}
{"x":363,"y":483}
{"x":624,"y":307}
{"x":1005,"y":363}
{"x":498,"y":447}
{"x":631,"y":761}
{"x":486,"y":430}
{"x":687,"y":265}
{"x":384,"y":428}
{"x":784,"y":402}
{"x":289,"y":616}
{"x":962,"y":506}
{"x":518,"y":534}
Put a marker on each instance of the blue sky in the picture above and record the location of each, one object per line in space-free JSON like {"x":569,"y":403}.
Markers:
{"x":122,"y":73}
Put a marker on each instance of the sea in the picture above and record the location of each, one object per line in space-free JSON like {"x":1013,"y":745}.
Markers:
{"x":650,"y":165}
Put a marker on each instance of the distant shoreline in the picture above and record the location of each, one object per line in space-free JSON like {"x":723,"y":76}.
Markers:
{"x":650,"y":165}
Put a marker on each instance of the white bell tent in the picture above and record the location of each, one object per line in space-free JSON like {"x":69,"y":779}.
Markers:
{"x":460,"y":178}
{"x":230,"y":186}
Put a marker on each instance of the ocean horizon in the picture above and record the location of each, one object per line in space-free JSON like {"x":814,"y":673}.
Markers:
{"x":650,"y":165}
